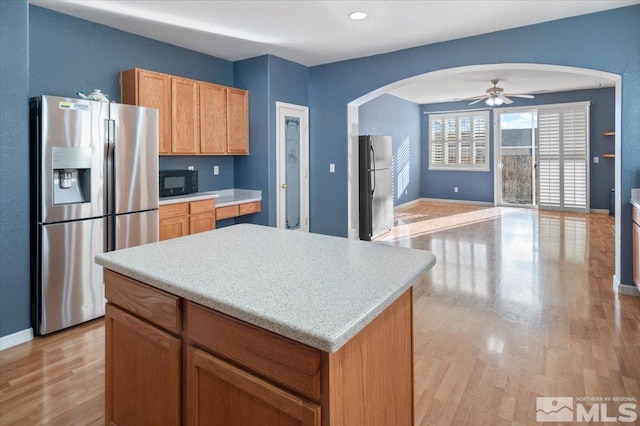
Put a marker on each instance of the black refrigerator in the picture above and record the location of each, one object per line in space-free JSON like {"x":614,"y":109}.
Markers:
{"x":375,"y":186}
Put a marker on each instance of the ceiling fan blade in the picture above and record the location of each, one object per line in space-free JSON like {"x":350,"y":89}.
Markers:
{"x":478,"y":100}
{"x":473,"y":98}
{"x":513,"y":95}
{"x":506,"y":100}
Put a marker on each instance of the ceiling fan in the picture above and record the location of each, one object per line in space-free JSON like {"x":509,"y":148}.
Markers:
{"x":495,"y":96}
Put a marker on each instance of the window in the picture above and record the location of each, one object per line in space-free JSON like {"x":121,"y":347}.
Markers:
{"x":459,"y":141}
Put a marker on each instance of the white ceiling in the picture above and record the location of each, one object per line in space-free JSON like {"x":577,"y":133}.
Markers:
{"x":318,"y":32}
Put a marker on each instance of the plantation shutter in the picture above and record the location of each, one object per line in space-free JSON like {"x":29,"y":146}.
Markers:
{"x":563,"y":150}
{"x":459,"y":141}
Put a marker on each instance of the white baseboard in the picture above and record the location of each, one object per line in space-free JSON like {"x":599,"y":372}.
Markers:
{"x":444,"y":200}
{"x":629,"y":290}
{"x":599,"y":211}
{"x":15,"y":339}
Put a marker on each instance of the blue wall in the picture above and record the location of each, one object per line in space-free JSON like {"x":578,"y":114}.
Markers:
{"x":478,"y":186}
{"x":472,"y":186}
{"x":607,"y":41}
{"x":269,"y":79}
{"x":14,"y":171}
{"x":400,"y":119}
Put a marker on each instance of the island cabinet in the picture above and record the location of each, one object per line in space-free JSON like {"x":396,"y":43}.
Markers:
{"x":195,"y":117}
{"x":180,"y":219}
{"x":143,"y":355}
{"x":231,"y":372}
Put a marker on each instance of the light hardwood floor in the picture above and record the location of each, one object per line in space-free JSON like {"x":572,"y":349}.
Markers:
{"x":519,"y":305}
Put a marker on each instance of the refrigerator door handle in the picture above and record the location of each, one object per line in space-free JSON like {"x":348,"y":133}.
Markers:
{"x":373,"y":161}
{"x":110,"y":179}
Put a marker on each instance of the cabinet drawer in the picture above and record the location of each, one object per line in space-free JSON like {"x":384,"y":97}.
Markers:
{"x":151,"y":304}
{"x":277,"y":358}
{"x":174,"y":210}
{"x":226,"y":212}
{"x":203,"y":206}
{"x":248,"y":208}
{"x":635,"y":213}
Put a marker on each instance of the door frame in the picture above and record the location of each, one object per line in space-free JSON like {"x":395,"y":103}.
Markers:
{"x":281,"y":109}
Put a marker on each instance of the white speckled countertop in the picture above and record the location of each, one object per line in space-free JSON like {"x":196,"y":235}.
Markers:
{"x":225,"y":197}
{"x":635,"y":198}
{"x":316,"y":289}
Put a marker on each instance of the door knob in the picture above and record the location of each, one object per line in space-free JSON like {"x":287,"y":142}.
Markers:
{"x":284,"y":186}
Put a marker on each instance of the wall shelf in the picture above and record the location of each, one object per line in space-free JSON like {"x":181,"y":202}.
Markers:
{"x":608,"y":155}
{"x":609,"y":134}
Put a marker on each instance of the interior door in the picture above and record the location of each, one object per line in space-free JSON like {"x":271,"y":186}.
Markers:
{"x":293,"y":167}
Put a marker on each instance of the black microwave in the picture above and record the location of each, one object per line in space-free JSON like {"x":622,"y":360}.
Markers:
{"x":178,"y":182}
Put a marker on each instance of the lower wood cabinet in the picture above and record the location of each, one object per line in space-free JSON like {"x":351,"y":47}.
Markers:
{"x":635,"y":227}
{"x":143,"y":372}
{"x":236,"y":374}
{"x":177,"y":220}
{"x":222,"y":394}
{"x":235,"y":210}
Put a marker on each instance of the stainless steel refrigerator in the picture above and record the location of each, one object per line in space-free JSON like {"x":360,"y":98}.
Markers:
{"x":94,"y":188}
{"x":375,"y":186}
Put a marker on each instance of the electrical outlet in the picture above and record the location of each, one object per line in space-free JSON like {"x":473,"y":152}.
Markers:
{"x":455,"y":189}
{"x":332,"y":168}
{"x":406,"y":192}
{"x":190,"y":168}
{"x":216,"y":170}
{"x":596,"y":160}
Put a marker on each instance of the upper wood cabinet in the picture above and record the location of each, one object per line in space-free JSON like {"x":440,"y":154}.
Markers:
{"x":185,"y":116}
{"x":213,"y":119}
{"x":150,"y":89}
{"x":237,"y":121}
{"x":195,"y":117}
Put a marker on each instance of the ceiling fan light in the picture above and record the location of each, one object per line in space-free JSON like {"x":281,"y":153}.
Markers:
{"x":498,"y":101}
{"x":490,"y":101}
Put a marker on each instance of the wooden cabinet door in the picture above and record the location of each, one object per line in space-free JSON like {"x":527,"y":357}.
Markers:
{"x":237,"y":121}
{"x":174,"y":227}
{"x":213,"y":119}
{"x":220,"y":394}
{"x":143,"y":371}
{"x":185,"y":113}
{"x":636,"y":253}
{"x":154,"y":90}
{"x":202,"y":222}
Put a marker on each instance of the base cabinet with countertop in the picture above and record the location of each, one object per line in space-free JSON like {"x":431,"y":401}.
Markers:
{"x":636,"y":245}
{"x":261,"y":326}
{"x":238,"y":373}
{"x":180,"y":219}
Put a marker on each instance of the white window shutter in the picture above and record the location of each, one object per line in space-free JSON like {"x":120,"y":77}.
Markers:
{"x":563,"y":150}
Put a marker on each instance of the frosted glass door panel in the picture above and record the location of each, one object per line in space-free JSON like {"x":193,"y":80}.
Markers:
{"x":292,"y":173}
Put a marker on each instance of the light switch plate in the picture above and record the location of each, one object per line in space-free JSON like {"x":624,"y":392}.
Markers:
{"x":596,"y":160}
{"x":216,"y":170}
{"x":332,"y":168}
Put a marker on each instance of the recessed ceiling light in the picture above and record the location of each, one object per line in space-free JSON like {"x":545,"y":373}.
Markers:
{"x":357,"y":16}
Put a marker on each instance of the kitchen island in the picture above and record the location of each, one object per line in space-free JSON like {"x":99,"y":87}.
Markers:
{"x":256,"y":325}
